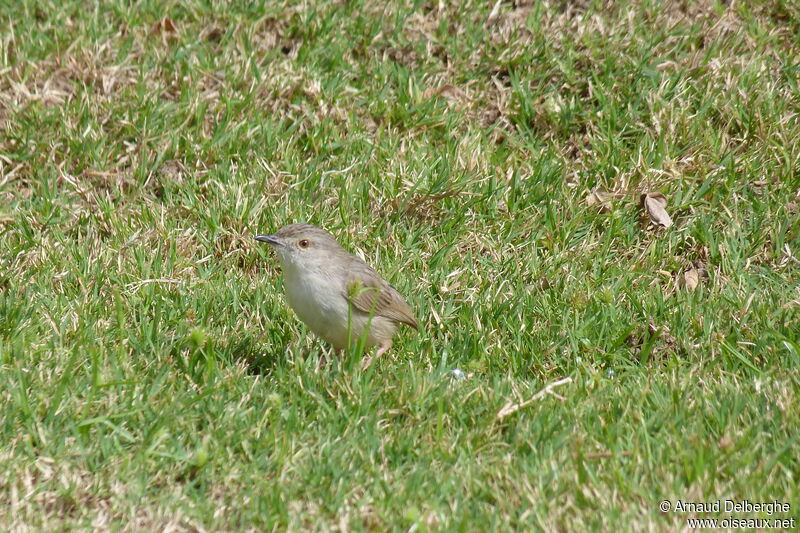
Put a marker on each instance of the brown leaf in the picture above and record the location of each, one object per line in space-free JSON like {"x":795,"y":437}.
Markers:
{"x":655,"y":204}
{"x":165,"y":25}
{"x":691,"y":278}
{"x":600,"y":197}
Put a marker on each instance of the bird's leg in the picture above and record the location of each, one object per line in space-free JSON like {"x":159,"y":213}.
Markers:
{"x":382,"y":349}
{"x":323,"y":361}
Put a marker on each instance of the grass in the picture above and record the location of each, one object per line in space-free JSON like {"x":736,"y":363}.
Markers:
{"x":153,"y":378}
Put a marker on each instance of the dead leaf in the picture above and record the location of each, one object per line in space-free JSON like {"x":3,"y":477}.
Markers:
{"x":725,"y":442}
{"x":655,"y":204}
{"x":691,"y":278}
{"x":451,"y":92}
{"x":165,"y":25}
{"x":600,"y":197}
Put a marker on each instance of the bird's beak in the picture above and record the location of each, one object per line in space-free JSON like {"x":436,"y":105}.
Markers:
{"x":269,"y":239}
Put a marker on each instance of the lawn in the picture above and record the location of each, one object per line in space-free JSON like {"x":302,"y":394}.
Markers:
{"x":591,"y":206}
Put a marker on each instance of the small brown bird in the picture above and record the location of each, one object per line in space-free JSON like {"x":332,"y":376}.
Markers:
{"x":336,"y":294}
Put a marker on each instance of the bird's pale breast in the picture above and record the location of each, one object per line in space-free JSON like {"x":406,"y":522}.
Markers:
{"x":319,"y":301}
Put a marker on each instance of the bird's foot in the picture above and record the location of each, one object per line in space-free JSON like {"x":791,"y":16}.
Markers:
{"x":384,"y":347}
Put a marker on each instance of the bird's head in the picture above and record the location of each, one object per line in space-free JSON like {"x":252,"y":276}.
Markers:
{"x":303,"y":245}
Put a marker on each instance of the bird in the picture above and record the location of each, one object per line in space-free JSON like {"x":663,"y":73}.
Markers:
{"x":335,"y":293}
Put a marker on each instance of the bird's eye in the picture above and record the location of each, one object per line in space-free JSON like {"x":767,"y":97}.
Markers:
{"x":303,"y":243}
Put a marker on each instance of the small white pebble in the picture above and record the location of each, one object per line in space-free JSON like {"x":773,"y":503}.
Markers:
{"x":456,"y":374}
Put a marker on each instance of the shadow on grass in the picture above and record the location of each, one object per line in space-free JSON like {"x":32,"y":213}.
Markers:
{"x":259,"y":358}
{"x":199,"y":355}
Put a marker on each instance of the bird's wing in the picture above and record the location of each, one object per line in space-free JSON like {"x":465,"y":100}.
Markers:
{"x":370,"y":293}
